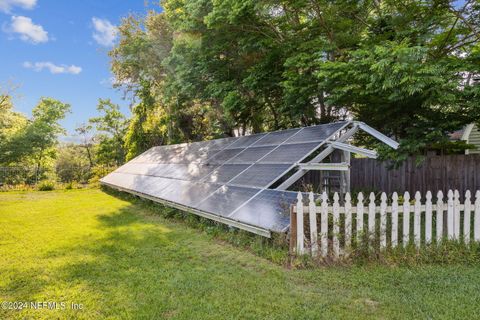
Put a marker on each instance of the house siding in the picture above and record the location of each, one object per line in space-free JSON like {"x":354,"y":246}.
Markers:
{"x":474,"y":138}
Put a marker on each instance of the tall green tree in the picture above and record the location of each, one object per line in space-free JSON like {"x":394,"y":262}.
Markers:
{"x":215,"y":68}
{"x":35,"y":142}
{"x":111,"y":126}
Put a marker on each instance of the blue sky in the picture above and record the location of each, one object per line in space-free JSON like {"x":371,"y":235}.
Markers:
{"x":58,"y":48}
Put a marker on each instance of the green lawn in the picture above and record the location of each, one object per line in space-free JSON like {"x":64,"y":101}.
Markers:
{"x":120,"y":261}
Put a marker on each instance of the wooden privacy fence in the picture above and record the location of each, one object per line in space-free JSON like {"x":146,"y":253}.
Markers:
{"x":332,"y":228}
{"x":461,"y":172}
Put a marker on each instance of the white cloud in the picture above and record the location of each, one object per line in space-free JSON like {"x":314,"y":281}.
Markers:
{"x":105,"y":32}
{"x":53,"y":68}
{"x":7,"y":5}
{"x":27,"y":30}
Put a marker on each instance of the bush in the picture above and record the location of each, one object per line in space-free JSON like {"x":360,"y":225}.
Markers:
{"x":46,"y":185}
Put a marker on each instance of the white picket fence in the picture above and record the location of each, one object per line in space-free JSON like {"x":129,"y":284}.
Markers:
{"x":371,"y":221}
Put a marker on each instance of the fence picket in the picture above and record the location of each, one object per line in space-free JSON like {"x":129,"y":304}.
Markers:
{"x":371,"y":216}
{"x":454,"y":209}
{"x":394,"y":219}
{"x":439,"y":218}
{"x":324,"y":226}
{"x":360,"y":213}
{"x":456,"y":215}
{"x":312,"y":214}
{"x":467,"y":217}
{"x":406,"y":218}
{"x":348,"y":221}
{"x":417,"y":219}
{"x":300,"y":228}
{"x":383,"y":221}
{"x":450,"y":214}
{"x":428,"y":217}
{"x":477,"y":217}
{"x":336,"y":225}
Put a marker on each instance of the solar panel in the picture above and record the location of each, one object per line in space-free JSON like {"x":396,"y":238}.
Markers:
{"x":251,"y":155}
{"x":225,"y":173}
{"x":227,"y":177}
{"x":260,"y":175}
{"x":270,"y":209}
{"x":275,"y":138}
{"x":289,"y":153}
{"x":226,"y":199}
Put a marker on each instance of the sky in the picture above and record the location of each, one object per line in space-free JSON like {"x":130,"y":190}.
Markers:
{"x":58,"y":48}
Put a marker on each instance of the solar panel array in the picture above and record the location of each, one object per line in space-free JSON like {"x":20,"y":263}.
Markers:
{"x":226,"y":177}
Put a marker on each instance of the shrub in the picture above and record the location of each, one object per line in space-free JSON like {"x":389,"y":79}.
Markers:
{"x":46,"y":185}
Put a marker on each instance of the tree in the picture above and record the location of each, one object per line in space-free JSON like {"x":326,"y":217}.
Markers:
{"x":211,"y":68}
{"x":34,"y":143}
{"x":111,"y":126}
{"x":87,"y":141}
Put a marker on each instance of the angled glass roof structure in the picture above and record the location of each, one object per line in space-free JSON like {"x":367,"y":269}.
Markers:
{"x":227,"y":180}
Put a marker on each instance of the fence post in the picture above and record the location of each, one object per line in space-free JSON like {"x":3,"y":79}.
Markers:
{"x":336,"y":225}
{"x":312,"y":213}
{"x":416,"y":218}
{"x":300,"y":227}
{"x":360,"y":213}
{"x":348,"y":221}
{"x":406,"y":218}
{"x":439,"y":211}
{"x":477,"y":217}
{"x":293,"y":230}
{"x":383,"y":221}
{"x":394,"y":219}
{"x":466,"y":217}
{"x":324,"y":225}
{"x":456,"y":217}
{"x":371,"y":217}
{"x":450,"y":213}
{"x":428,"y":217}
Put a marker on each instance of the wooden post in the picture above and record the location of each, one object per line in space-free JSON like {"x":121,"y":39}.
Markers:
{"x":324,"y":226}
{"x":348,"y":221}
{"x":336,"y":226}
{"x":360,"y":213}
{"x":383,"y":221}
{"x":466,"y":217}
{"x":439,"y":212}
{"x":406,"y":218}
{"x":450,"y":213}
{"x":394,"y":220}
{"x":371,"y":217}
{"x":293,"y":231}
{"x":476,"y":224}
{"x":428,"y":218}
{"x":417,"y":219}
{"x":300,"y":225}
{"x":312,"y":213}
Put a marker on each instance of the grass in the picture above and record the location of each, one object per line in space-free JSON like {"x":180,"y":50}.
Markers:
{"x":121,"y":260}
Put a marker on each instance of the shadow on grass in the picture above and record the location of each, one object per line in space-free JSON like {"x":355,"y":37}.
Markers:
{"x":135,"y":266}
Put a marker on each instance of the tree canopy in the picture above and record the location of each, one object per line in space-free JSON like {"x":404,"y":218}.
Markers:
{"x":208,"y":68}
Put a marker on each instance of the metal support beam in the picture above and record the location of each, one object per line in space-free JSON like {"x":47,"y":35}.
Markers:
{"x":380,"y":136}
{"x":320,"y":157}
{"x":324,"y":166}
{"x":348,"y":147}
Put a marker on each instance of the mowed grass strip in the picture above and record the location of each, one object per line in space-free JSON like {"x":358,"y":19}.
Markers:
{"x":121,"y":261}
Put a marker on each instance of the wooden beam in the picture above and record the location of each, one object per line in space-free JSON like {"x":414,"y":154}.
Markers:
{"x":324,"y":166}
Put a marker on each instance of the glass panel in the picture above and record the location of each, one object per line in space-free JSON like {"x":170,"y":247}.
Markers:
{"x":290,"y":153}
{"x":251,"y":155}
{"x":316,"y":133}
{"x":270,"y":210}
{"x":226,"y":199}
{"x":225,"y":173}
{"x":260,"y":175}
{"x":275,"y":138}
{"x":246,"y":141}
